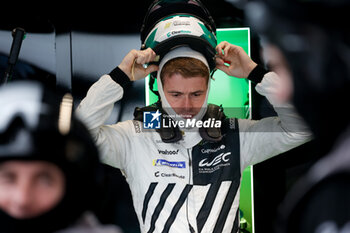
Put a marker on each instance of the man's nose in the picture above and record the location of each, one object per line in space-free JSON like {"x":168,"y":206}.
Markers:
{"x":23,"y":195}
{"x":187,"y":103}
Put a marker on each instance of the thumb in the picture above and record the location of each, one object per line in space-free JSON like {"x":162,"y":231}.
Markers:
{"x":223,"y":68}
{"x":151,"y":68}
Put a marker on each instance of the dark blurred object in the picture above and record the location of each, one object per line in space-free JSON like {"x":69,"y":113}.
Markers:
{"x":320,"y":201}
{"x":314,"y":37}
{"x":34,"y":57}
{"x":116,"y":203}
{"x":18,"y":35}
{"x":37,"y":124}
{"x":26,"y":71}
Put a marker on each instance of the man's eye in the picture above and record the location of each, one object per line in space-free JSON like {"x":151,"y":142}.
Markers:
{"x":6,"y":177}
{"x":45,"y":179}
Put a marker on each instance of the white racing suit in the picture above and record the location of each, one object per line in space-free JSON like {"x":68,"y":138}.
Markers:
{"x":191,"y":185}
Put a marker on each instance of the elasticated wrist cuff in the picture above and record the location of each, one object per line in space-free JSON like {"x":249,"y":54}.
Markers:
{"x":257,"y":74}
{"x":120,"y":77}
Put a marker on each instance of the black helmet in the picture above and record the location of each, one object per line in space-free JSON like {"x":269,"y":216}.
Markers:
{"x":38,"y":124}
{"x":172,"y":23}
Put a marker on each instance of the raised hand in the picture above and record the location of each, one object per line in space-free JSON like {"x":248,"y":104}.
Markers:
{"x":132,"y":64}
{"x":239,"y":64}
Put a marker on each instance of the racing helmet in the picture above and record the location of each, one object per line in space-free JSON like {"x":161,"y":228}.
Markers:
{"x":37,"y":123}
{"x":171,"y":24}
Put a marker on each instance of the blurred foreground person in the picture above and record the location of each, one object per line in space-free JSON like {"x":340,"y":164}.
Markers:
{"x":309,"y":43}
{"x":49,"y":167}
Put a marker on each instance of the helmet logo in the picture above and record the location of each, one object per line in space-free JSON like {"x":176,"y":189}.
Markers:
{"x":173,"y":33}
{"x":167,"y":25}
{"x":181,"y":23}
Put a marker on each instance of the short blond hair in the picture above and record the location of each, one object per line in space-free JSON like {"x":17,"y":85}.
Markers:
{"x":186,"y":66}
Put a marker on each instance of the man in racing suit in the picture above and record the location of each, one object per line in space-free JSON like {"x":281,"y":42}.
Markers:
{"x":190,"y":185}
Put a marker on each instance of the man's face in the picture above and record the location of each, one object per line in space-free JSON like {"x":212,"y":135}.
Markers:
{"x":185,"y":95}
{"x":30,"y":188}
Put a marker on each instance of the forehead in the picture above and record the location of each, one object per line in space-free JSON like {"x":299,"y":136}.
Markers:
{"x":21,"y":166}
{"x":178,"y":82}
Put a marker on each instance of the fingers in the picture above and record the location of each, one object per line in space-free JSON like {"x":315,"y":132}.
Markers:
{"x":144,"y":56}
{"x":220,"y":64}
{"x":152,"y":68}
{"x":132,"y":63}
{"x":225,"y":49}
{"x":223,"y":68}
{"x":222,"y":48}
{"x":219,"y":60}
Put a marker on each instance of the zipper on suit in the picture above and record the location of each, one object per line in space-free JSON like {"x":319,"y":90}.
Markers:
{"x":189,"y":166}
{"x":189,"y":182}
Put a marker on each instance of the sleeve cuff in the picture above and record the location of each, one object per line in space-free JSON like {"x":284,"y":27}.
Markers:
{"x":120,"y":77}
{"x":257,"y":74}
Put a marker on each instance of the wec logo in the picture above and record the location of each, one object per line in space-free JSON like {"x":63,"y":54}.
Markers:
{"x":223,"y":157}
